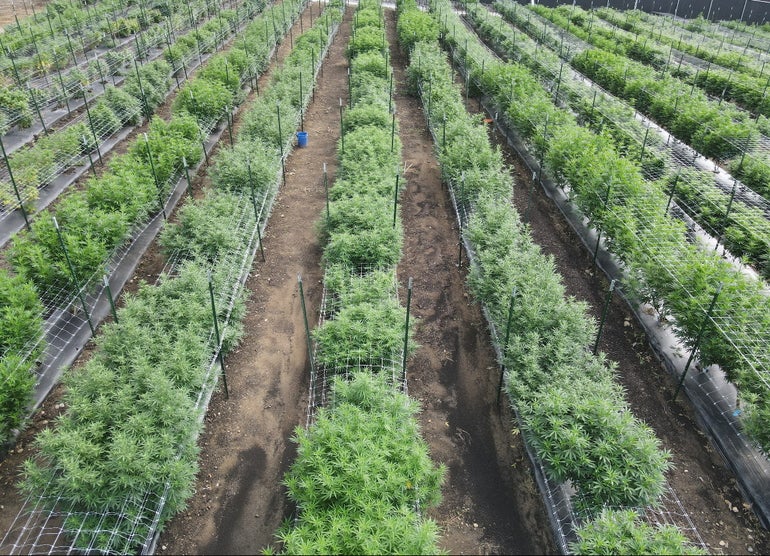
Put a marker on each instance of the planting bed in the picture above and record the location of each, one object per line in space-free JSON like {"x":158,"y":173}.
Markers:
{"x":491,"y":503}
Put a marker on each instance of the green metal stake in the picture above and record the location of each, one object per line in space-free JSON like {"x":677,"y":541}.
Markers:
{"x":155,"y":177}
{"x":514,"y":294}
{"x":280,"y":141}
{"x":33,"y":96}
{"x":393,"y":133}
{"x":673,"y":190}
{"x":107,"y":288}
{"x":312,"y":54}
{"x":326,"y":190}
{"x":726,"y":217}
{"x":443,"y":133}
{"x":229,"y":125}
{"x":406,"y":331}
{"x":15,"y":187}
{"x":91,"y":125}
{"x":390,"y":95}
{"x":64,"y":92}
{"x":84,"y":140}
{"x":599,"y":235}
{"x":342,"y":129}
{"x":301,"y":109}
{"x":219,"y":340}
{"x":187,"y":176}
{"x":604,"y":315}
{"x":698,"y":339}
{"x":350,"y":92}
{"x":256,"y":210}
{"x":307,"y":326}
{"x":395,"y":200}
{"x":529,"y":196}
{"x":644,"y":143}
{"x":145,"y":105}
{"x":74,"y":276}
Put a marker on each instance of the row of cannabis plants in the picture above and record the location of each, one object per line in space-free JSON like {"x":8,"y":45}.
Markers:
{"x":362,"y":473}
{"x":744,"y":229}
{"x":571,"y":410}
{"x":59,"y":257}
{"x":663,"y":269}
{"x":714,"y":128}
{"x":732,"y":79}
{"x":32,"y":44}
{"x":122,"y":460}
{"x":143,"y":89}
{"x":22,"y":97}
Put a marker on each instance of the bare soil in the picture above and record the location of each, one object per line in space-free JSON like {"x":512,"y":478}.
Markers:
{"x":20,"y":8}
{"x":491,"y":503}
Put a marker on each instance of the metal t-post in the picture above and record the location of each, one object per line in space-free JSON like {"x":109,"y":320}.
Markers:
{"x":107,"y":288}
{"x":607,"y":300}
{"x":155,"y":177}
{"x":256,"y":210}
{"x":219,"y":340}
{"x":406,"y":331}
{"x":307,"y":327}
{"x":395,"y":200}
{"x":15,"y":187}
{"x":514,"y":294}
{"x":74,"y":275}
{"x":698,"y":339}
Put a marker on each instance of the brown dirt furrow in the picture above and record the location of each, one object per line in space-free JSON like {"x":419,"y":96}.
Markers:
{"x":245,"y":449}
{"x":491,"y":502}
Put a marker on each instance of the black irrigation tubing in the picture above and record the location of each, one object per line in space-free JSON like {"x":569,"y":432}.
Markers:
{"x":44,"y":117}
{"x":68,"y":331}
{"x":707,"y":392}
{"x":13,"y":221}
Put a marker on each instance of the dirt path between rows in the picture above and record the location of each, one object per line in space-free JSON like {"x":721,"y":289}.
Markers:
{"x":491,"y":502}
{"x":245,"y":449}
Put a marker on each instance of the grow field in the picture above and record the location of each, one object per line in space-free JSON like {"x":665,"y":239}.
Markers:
{"x":491,"y":503}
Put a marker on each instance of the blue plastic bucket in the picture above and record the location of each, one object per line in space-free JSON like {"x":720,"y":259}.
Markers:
{"x":302,"y":138}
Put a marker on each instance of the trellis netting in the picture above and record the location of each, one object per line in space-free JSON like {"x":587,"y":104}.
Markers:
{"x":740,"y":331}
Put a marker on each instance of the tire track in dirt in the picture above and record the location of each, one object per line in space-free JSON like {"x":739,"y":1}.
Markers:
{"x":491,"y":502}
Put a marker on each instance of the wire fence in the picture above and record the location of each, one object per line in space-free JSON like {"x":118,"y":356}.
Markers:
{"x":98,"y":137}
{"x":52,"y":94}
{"x":756,"y":145}
{"x":713,"y":203}
{"x":70,"y":313}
